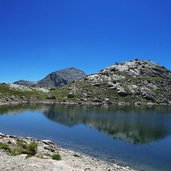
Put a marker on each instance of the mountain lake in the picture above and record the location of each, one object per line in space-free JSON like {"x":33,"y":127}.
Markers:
{"x":139,"y":137}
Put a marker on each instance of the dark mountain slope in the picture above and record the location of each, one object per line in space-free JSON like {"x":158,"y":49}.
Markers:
{"x":61,"y":78}
{"x":25,"y":83}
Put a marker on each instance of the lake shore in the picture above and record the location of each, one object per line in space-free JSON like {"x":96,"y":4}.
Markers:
{"x":76,"y":102}
{"x":42,"y":160}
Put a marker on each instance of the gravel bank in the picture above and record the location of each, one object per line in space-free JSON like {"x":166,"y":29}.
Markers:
{"x":71,"y":161}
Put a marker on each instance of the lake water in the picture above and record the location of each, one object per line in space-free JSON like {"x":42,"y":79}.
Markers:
{"x":136,"y":136}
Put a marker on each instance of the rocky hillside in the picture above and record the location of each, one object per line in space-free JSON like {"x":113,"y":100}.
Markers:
{"x":134,"y":81}
{"x":61,"y":78}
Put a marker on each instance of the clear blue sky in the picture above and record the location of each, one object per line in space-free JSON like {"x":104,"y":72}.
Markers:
{"x":41,"y":36}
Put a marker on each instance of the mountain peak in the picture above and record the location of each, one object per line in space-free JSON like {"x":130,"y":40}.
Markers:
{"x":61,"y":78}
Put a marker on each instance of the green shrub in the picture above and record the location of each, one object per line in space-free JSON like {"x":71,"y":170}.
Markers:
{"x":21,"y":143}
{"x":5,"y":147}
{"x":16,"y":151}
{"x":32,"y":148}
{"x":56,"y":157}
{"x":21,"y":148}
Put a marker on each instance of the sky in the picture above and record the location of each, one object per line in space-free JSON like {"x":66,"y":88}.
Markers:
{"x":41,"y":36}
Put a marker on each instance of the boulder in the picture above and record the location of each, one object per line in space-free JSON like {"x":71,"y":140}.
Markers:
{"x":96,"y":84}
{"x":96,"y":100}
{"x":85,"y":94}
{"x":70,"y":95}
{"x":83,"y":99}
{"x":122,"y":92}
{"x":148,"y":96}
{"x":51,"y":97}
{"x":110,"y":84}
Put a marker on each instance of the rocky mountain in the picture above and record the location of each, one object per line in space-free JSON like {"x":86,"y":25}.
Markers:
{"x":25,"y":83}
{"x":133,"y":82}
{"x":61,"y":78}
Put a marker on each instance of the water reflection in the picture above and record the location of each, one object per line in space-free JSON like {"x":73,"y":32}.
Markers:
{"x":137,"y":125}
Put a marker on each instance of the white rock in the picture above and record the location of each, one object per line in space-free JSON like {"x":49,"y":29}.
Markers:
{"x":44,"y":90}
{"x":19,"y":87}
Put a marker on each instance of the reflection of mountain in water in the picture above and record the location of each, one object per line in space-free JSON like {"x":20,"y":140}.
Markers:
{"x":135,"y":125}
{"x":15,"y":109}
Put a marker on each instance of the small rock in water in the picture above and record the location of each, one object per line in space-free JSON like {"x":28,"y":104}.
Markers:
{"x":29,"y":138}
{"x":47,"y":142}
{"x":2,"y":135}
{"x":11,"y":136}
{"x":76,"y":155}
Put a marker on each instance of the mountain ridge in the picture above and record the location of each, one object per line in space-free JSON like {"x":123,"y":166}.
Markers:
{"x":131,"y":82}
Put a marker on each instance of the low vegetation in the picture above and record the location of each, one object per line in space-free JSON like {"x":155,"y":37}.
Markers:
{"x":21,"y":147}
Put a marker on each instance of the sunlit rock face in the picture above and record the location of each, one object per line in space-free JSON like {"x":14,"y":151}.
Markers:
{"x":129,"y":82}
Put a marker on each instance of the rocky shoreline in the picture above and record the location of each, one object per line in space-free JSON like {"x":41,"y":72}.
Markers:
{"x":45,"y":101}
{"x":78,"y":102}
{"x":43,"y":158}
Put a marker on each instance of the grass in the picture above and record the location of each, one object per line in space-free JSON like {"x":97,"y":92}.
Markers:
{"x":6,"y":92}
{"x":60,"y":93}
